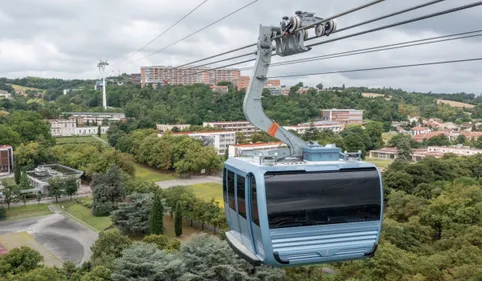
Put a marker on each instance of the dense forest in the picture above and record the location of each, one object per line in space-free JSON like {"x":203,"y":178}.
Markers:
{"x":195,"y":104}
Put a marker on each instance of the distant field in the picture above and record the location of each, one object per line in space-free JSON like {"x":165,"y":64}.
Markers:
{"x":28,"y":211}
{"x":23,"y":88}
{"x":455,"y":103}
{"x":373,"y":95}
{"x":380,"y":163}
{"x":207,"y":191}
{"x":152,"y":175}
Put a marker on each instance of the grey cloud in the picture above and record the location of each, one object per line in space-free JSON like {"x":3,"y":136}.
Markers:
{"x":84,"y":31}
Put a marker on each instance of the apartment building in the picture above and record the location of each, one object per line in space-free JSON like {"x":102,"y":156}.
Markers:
{"x":391,"y":153}
{"x":68,"y":128}
{"x":164,"y":75}
{"x":237,"y":150}
{"x":242,"y":82}
{"x":221,"y":140}
{"x":167,"y":127}
{"x":342,"y":115}
{"x":6,"y":160}
{"x":135,"y":78}
{"x":96,"y":117}
{"x":244,"y":127}
{"x":337,"y":127}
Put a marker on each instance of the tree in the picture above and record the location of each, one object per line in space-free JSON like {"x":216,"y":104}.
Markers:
{"x":11,"y":194}
{"x":18,"y":173}
{"x":99,"y":131}
{"x":163,"y":242}
{"x":20,"y":260}
{"x":3,"y":213}
{"x":56,"y":187}
{"x":113,"y":183}
{"x":41,"y":274}
{"x":461,"y":139}
{"x":98,"y":273}
{"x":24,"y":181}
{"x":203,"y":257}
{"x":374,"y":131}
{"x":9,"y":136}
{"x":156,"y":219}
{"x":132,"y":216}
{"x":108,"y":247}
{"x":178,"y":220}
{"x":319,"y":86}
{"x":404,"y":150}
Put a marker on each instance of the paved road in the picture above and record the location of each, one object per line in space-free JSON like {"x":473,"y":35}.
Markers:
{"x":65,"y":238}
{"x":191,"y":181}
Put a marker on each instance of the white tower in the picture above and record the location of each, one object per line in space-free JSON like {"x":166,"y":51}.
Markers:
{"x":101,"y":66}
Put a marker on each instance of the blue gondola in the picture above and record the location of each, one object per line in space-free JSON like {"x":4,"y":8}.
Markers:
{"x":307,"y":204}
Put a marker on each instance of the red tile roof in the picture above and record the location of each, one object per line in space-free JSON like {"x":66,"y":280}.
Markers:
{"x":420,"y":129}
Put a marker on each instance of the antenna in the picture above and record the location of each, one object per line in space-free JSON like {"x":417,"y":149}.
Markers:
{"x":101,"y":66}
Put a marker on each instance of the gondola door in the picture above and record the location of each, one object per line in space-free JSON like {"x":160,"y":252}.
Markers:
{"x":230,"y":202}
{"x":242,"y":211}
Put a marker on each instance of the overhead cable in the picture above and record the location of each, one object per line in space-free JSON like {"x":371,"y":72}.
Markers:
{"x":199,"y":30}
{"x":376,"y":68}
{"x":448,"y":11}
{"x":164,"y":32}
{"x":399,"y":45}
{"x":343,"y":29}
{"x":254,"y":44}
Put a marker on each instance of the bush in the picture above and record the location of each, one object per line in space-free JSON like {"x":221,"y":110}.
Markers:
{"x":3,"y":213}
{"x":102,"y":209}
{"x":85,"y":202}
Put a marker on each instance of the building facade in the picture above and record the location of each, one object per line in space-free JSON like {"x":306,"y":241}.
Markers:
{"x":135,"y":78}
{"x":390,"y":153}
{"x":167,"y":127}
{"x":241,"y":82}
{"x":419,"y":130}
{"x":6,"y":160}
{"x":342,"y":115}
{"x":244,"y":127}
{"x":5,"y":94}
{"x":337,"y":127}
{"x":68,"y":128}
{"x":165,"y":75}
{"x":221,"y":140}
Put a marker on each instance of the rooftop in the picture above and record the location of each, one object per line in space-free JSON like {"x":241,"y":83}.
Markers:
{"x":5,"y":146}
{"x":49,"y":171}
{"x":199,"y":133}
{"x":259,"y":144}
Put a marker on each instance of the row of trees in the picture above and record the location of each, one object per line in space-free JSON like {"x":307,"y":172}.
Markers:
{"x":180,"y":153}
{"x":21,"y":127}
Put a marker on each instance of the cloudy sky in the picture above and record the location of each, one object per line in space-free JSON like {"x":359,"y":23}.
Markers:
{"x":67,"y":38}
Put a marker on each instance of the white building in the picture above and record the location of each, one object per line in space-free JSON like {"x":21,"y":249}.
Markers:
{"x":336,"y":127}
{"x":221,"y":140}
{"x":244,"y":127}
{"x":342,"y":115}
{"x":237,"y":150}
{"x":68,"y":128}
{"x":168,"y":127}
{"x":95,"y":117}
{"x":419,"y":130}
{"x":5,"y":94}
{"x":40,"y":176}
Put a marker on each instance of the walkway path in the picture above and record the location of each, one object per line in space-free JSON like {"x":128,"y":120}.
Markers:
{"x":99,"y":139}
{"x":191,"y":181}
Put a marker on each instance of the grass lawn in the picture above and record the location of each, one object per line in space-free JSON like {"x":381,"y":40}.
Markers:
{"x":28,"y":211}
{"x":104,"y":137}
{"x":148,"y":174}
{"x":207,"y":191}
{"x":381,"y":163}
{"x":187,"y":230}
{"x":23,"y":88}
{"x":18,"y":239}
{"x":84,"y":215}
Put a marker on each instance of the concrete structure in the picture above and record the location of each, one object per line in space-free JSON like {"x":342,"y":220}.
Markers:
{"x":323,"y":125}
{"x":6,"y":160}
{"x":68,"y":128}
{"x":419,"y":130}
{"x":241,"y":82}
{"x":237,"y":150}
{"x":164,"y":75}
{"x":167,"y":127}
{"x":219,"y":89}
{"x":5,"y":94}
{"x":135,"y":78}
{"x":96,"y":117}
{"x":221,"y":140}
{"x":244,"y":127}
{"x":40,"y":176}
{"x":342,"y":115}
{"x":420,"y":153}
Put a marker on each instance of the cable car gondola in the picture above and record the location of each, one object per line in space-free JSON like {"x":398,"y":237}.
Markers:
{"x":306,"y":204}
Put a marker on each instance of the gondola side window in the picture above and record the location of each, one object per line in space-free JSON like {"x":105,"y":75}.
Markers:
{"x":306,"y":199}
{"x":241,"y":182}
{"x":254,"y":201}
{"x":225,"y":192}
{"x":231,"y":199}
